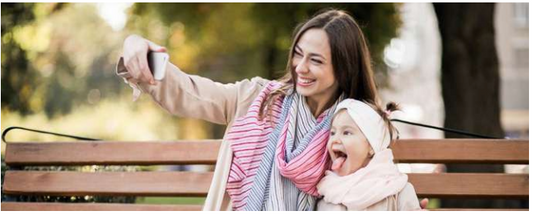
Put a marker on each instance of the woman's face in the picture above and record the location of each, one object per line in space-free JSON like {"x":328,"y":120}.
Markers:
{"x":347,"y":145}
{"x":312,"y":64}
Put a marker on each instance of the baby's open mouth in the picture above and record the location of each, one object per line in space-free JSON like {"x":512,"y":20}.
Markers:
{"x":338,"y":160}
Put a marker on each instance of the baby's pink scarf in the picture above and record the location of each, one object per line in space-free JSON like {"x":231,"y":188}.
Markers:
{"x":365,"y":187}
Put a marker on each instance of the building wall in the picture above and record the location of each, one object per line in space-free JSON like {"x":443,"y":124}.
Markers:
{"x":512,"y":43}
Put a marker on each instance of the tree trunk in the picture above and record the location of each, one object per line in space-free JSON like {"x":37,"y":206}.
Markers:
{"x":470,"y":81}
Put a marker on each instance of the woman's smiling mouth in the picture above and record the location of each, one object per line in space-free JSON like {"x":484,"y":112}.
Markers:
{"x":304,"y":82}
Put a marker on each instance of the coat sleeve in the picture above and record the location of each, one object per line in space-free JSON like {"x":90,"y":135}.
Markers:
{"x":407,"y":199}
{"x":196,"y":97}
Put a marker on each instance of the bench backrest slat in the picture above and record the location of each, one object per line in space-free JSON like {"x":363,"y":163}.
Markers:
{"x":57,"y":183}
{"x":465,"y":185}
{"x":205,"y":152}
{"x":470,"y":185}
{"x":462,"y":151}
{"x":112,"y":153}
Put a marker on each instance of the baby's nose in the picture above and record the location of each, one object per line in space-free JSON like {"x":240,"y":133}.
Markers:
{"x":335,"y":140}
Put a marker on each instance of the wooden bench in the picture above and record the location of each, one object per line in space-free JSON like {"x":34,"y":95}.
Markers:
{"x":173,"y":183}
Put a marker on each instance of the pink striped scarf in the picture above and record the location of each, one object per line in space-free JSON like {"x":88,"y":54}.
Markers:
{"x":305,"y":170}
{"x":249,"y":137}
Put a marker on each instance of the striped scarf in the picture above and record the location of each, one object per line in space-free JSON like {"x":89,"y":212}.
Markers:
{"x":277,"y":168}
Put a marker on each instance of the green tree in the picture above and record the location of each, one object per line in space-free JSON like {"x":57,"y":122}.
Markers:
{"x":52,"y":57}
{"x":17,"y":73}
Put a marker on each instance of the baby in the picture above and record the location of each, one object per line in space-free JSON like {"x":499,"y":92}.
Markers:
{"x":363,"y":175}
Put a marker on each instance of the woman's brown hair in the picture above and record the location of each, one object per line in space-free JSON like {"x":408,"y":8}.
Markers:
{"x":352,"y":66}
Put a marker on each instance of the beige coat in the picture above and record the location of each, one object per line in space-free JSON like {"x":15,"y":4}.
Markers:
{"x":405,"y":200}
{"x":197,"y":97}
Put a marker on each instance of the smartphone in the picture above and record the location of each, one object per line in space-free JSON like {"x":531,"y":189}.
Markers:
{"x":157,"y":61}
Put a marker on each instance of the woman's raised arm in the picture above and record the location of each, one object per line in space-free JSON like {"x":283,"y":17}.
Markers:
{"x":182,"y":94}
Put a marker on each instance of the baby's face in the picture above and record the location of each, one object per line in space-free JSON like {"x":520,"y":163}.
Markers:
{"x":347,"y":146}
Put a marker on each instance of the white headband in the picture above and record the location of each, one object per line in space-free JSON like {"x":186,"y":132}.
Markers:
{"x":369,"y":121}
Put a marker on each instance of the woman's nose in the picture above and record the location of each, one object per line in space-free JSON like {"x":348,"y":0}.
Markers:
{"x":301,"y":66}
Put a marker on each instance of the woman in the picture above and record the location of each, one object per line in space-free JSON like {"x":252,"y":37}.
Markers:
{"x":274,"y":151}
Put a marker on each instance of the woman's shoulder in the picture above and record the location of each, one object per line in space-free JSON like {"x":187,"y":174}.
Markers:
{"x":254,"y":86}
{"x":248,"y":90}
{"x":262,"y":82}
{"x":255,"y":82}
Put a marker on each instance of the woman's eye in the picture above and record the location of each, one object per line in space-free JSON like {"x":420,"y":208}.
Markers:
{"x":316,"y":61}
{"x":297,"y":54}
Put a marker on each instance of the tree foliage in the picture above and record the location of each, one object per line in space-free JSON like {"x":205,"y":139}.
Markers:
{"x":16,"y":71}
{"x":52,"y":57}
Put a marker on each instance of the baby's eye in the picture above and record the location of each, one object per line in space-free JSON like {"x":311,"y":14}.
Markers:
{"x":331,"y":133}
{"x":347,"y":133}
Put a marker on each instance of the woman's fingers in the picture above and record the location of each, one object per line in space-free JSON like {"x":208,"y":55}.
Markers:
{"x":145,"y":69}
{"x":424,"y":203}
{"x":142,"y":77}
{"x":155,"y":48}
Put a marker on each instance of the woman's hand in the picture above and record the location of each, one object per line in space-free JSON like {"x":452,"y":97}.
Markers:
{"x":135,"y":53}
